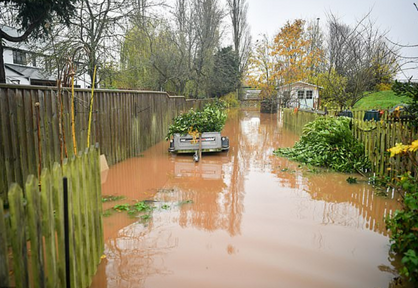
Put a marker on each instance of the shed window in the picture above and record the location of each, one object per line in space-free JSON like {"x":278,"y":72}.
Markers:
{"x":309,"y":94}
{"x":300,"y":94}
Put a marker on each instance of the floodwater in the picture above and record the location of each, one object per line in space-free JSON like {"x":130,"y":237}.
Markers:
{"x":243,"y":218}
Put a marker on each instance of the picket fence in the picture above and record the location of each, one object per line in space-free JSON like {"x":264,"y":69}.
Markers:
{"x":32,"y":242}
{"x":377,"y":138}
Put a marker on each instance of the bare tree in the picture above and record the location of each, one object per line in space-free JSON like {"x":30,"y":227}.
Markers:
{"x":207,"y":23}
{"x":241,"y":33}
{"x":362,"y":56}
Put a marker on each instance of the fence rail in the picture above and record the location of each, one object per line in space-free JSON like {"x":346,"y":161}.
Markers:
{"x":35,"y":256}
{"x":35,"y":126}
{"x":377,"y":137}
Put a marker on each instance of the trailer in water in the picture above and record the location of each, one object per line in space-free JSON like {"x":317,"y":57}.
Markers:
{"x":211,"y":142}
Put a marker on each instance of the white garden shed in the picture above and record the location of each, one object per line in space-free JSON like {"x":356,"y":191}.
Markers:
{"x":299,"y":94}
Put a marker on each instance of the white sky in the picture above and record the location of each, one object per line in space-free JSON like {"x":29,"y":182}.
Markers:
{"x":398,"y":17}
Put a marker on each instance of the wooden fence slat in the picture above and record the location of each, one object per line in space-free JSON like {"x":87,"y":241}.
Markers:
{"x":14,"y":136}
{"x":6,"y":137}
{"x":17,"y":221}
{"x":54,"y":127}
{"x":35,"y":230}
{"x":3,"y":175}
{"x":74,"y":264}
{"x":95,"y":156}
{"x":48,"y":228}
{"x":4,"y":255}
{"x":30,"y":131}
{"x":78,"y":223}
{"x":90,"y":212}
{"x":21,"y":133}
{"x":84,"y":214}
{"x":58,"y":202}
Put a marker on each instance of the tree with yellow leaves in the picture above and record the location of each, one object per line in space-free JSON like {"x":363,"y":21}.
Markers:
{"x":261,"y":68}
{"x":297,"y":51}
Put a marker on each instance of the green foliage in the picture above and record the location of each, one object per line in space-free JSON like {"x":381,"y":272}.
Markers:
{"x":410,"y":90}
{"x":380,"y":100}
{"x":404,"y":224}
{"x":111,"y":198}
{"x":40,"y":14}
{"x":404,"y":228}
{"x":328,"y":142}
{"x":211,"y":119}
{"x":121,"y":207}
{"x":230,"y":99}
{"x":181,"y":203}
{"x":351,"y":180}
{"x":333,"y":88}
{"x":225,"y":76}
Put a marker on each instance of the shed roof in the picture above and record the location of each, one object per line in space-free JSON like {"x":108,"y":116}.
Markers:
{"x":300,"y":83}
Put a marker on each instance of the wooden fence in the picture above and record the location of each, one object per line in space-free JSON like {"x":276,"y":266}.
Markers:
{"x":35,"y":126}
{"x":294,"y":119}
{"x":377,"y":138}
{"x":35,"y":256}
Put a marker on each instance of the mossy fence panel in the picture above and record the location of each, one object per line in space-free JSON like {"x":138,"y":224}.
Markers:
{"x":377,"y":138}
{"x":32,"y":244}
{"x":36,"y":129}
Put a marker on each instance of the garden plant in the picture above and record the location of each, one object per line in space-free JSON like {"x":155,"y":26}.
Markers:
{"x":328,"y":142}
{"x":211,"y":119}
{"x":403,"y":224}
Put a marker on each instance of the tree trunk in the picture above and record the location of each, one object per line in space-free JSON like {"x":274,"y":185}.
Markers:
{"x":2,"y":68}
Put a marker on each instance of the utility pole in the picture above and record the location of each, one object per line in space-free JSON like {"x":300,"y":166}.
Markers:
{"x":316,"y":68}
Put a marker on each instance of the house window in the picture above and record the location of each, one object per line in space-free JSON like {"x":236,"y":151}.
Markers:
{"x":309,"y":94}
{"x":300,"y":94}
{"x":19,"y":57}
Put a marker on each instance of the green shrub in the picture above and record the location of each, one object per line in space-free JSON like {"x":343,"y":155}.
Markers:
{"x":231,"y":99}
{"x":403,"y":225}
{"x":328,"y":142}
{"x":211,"y":119}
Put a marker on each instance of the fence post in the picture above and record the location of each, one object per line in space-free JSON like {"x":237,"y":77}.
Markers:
{"x":66,"y":235}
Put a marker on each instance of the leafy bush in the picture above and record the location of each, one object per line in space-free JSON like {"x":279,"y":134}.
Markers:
{"x":231,"y":99}
{"x":211,"y":119}
{"x":409,"y":89}
{"x":404,"y":224}
{"x":328,"y":142}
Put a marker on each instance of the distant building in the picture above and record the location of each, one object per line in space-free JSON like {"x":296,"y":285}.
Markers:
{"x":251,"y":94}
{"x":24,"y":66}
{"x":299,"y":94}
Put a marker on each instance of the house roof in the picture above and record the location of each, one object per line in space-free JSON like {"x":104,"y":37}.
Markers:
{"x":28,"y":72}
{"x":300,"y":83}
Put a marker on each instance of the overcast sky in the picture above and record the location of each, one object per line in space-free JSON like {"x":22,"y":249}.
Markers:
{"x":398,"y":17}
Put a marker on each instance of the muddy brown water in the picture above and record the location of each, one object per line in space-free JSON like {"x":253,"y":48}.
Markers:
{"x":243,"y":218}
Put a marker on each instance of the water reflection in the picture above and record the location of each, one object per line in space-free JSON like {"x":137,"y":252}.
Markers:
{"x":259,"y":213}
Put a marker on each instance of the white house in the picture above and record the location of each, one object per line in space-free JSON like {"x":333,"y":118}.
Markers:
{"x":299,"y":94}
{"x":24,"y":66}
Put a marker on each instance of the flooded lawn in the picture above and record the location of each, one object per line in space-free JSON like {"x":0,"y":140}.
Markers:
{"x":243,"y":218}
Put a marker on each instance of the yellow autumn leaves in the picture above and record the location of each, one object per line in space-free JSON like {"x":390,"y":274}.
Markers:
{"x":401,"y":148}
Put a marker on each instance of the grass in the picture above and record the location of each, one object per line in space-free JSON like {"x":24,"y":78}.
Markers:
{"x":380,"y":100}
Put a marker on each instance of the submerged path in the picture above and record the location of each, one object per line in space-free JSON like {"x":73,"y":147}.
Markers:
{"x":244,"y":218}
